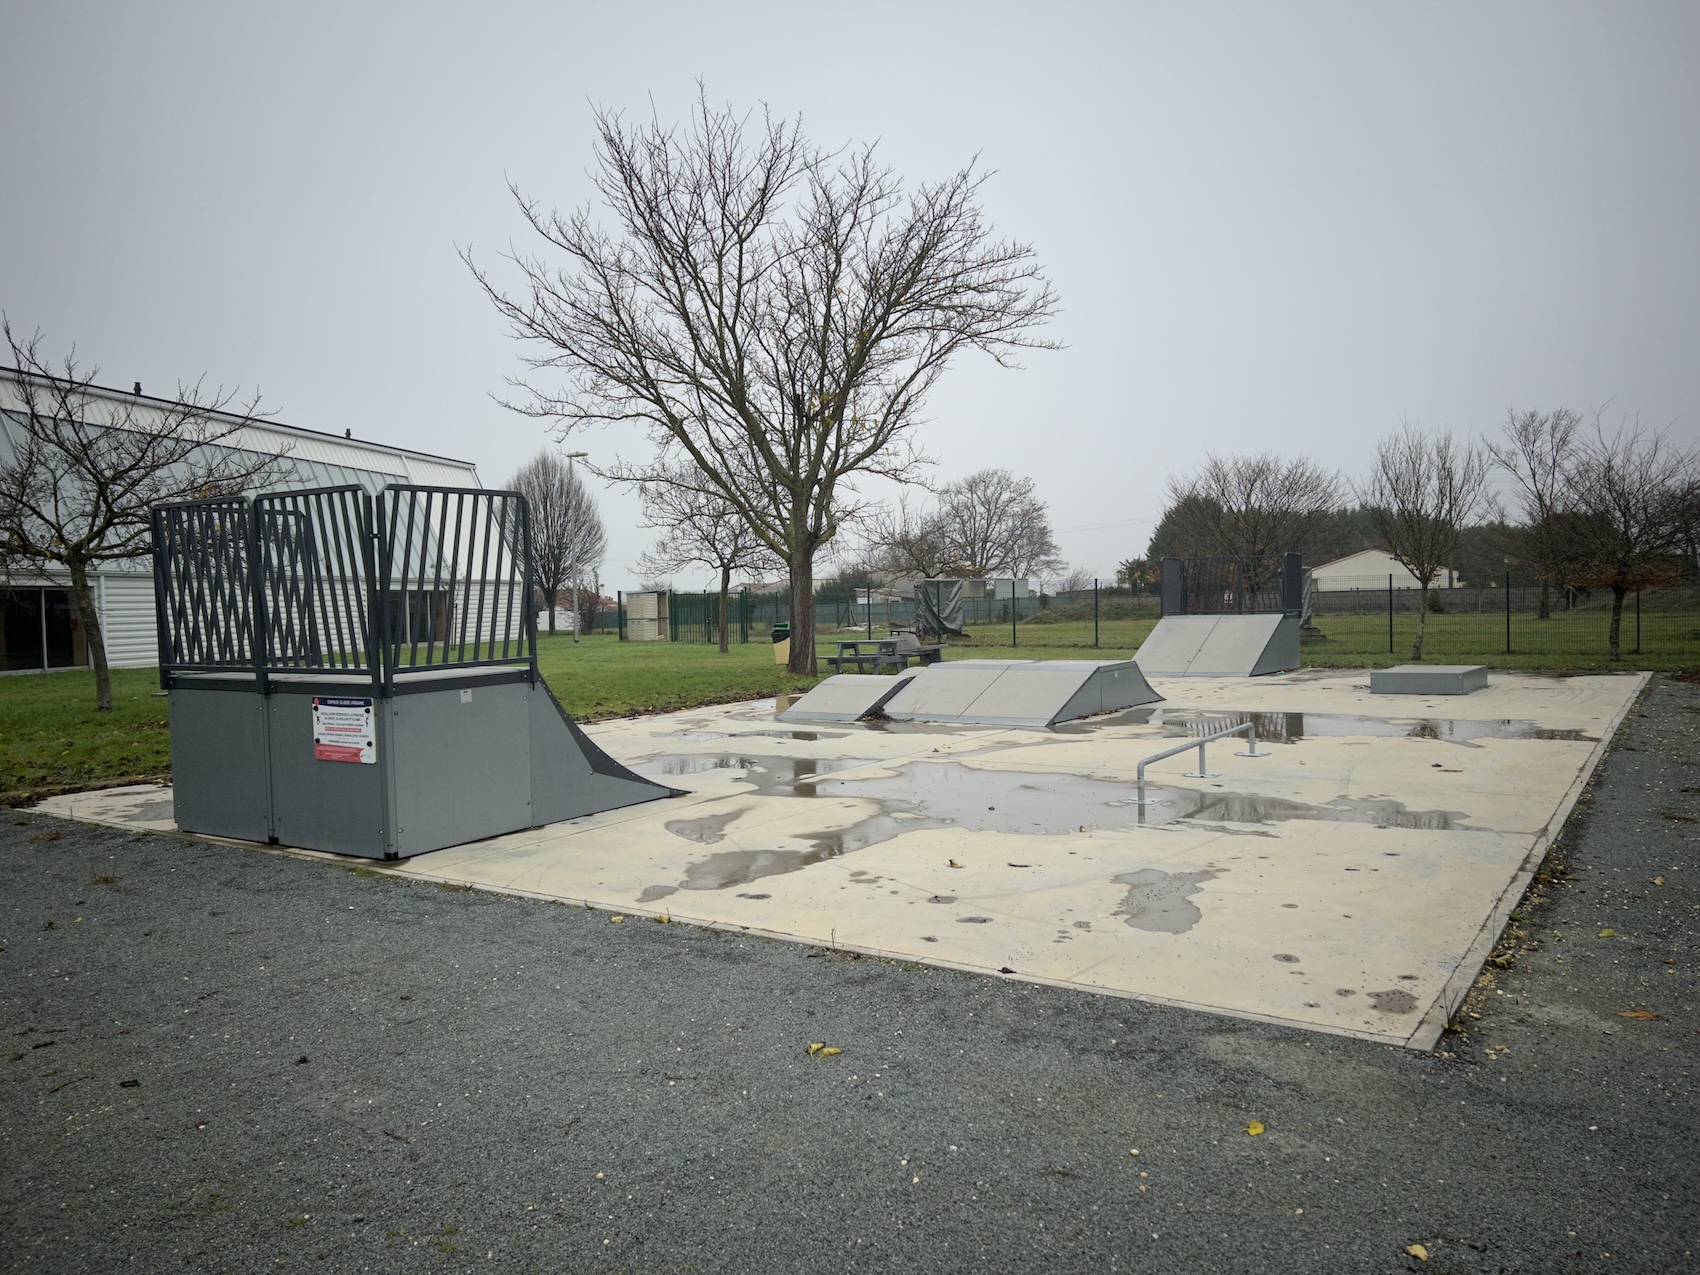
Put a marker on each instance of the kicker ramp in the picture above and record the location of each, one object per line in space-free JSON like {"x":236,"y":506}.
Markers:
{"x":570,"y":775}
{"x":1032,"y":693}
{"x":1220,"y":646}
{"x":846,"y":697}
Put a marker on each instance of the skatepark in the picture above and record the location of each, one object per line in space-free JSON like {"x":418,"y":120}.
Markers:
{"x":1346,"y":869}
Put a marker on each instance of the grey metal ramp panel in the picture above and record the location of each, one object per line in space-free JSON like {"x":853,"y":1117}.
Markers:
{"x":1235,"y":646}
{"x":942,"y":692}
{"x":219,"y":760}
{"x":1109,"y":690}
{"x":570,"y":775}
{"x":1281,"y":655}
{"x":1031,"y":695}
{"x":1169,"y":649}
{"x":1428,"y":679}
{"x":845,"y":697}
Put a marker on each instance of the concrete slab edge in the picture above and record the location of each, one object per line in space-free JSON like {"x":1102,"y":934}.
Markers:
{"x":1463,"y":978}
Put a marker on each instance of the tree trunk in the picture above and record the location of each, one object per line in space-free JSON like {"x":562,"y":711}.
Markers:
{"x":1422,"y":623}
{"x":96,"y":643}
{"x":725,"y":601}
{"x":802,"y":610}
{"x":578,"y":611}
{"x":1618,"y":593}
{"x":554,"y":605}
{"x":1545,"y":613}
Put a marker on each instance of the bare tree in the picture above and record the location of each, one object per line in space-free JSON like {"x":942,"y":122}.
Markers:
{"x":1633,"y":494}
{"x":909,"y":540}
{"x":1251,"y":507}
{"x":699,"y":528}
{"x":88,"y":466}
{"x":1422,"y":489}
{"x":1538,"y":451}
{"x":996,"y":525}
{"x":767,"y":312}
{"x":568,"y":540}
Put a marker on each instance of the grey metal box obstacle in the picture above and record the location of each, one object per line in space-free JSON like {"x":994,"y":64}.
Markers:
{"x":359,"y":674}
{"x":1428,"y":679}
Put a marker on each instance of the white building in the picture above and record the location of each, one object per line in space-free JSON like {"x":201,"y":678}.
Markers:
{"x":1369,"y":569}
{"x":39,"y":628}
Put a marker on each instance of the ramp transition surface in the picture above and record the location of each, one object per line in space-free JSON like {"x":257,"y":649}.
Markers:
{"x":1220,"y":646}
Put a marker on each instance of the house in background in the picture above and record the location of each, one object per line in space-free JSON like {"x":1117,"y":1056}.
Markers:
{"x":1369,"y":569}
{"x":39,"y":628}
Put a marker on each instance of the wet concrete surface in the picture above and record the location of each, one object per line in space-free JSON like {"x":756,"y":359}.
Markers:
{"x":221,"y":1059}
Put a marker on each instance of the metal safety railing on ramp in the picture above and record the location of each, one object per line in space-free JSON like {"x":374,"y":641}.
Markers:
{"x":1248,"y":729}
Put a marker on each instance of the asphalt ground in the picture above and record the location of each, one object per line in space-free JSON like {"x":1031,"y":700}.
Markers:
{"x":223,"y":1059}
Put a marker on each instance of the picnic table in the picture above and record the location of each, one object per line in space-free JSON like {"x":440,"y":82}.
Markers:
{"x":882,"y":653}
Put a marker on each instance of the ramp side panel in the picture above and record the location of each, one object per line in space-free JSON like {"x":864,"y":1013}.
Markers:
{"x":1109,"y":690}
{"x":218,"y":762}
{"x":1281,"y":654}
{"x":570,"y":775}
{"x":845,"y":697}
{"x":943,"y":692}
{"x":1171,"y":647}
{"x":1235,"y":646}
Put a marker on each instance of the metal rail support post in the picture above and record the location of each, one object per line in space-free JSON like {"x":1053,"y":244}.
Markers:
{"x":1248,"y":729}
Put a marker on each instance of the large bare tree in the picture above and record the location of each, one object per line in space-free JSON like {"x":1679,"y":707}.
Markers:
{"x":88,"y":465}
{"x":765,"y":311}
{"x":568,"y":540}
{"x":1423,"y":488}
{"x":1632,"y":493}
{"x":700,"y":528}
{"x":1252,"y":507}
{"x":1538,"y":450}
{"x":998,"y":526}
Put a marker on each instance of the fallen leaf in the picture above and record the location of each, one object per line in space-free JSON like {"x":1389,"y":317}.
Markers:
{"x":1658,"y":880}
{"x":1647,"y":1014}
{"x":829,"y":1051}
{"x":1417,"y":1251}
{"x":1608,"y":934}
{"x":1254,"y":1128}
{"x":955,"y":864}
{"x":615,"y":920}
{"x":816,"y":1046}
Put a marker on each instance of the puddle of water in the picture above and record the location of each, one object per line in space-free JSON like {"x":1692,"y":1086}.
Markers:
{"x":767,"y":776}
{"x":1239,"y":807}
{"x":1157,"y":901}
{"x":708,"y":829}
{"x":1287,"y":728}
{"x":807,"y":736}
{"x":160,"y":809}
{"x":735,"y":867}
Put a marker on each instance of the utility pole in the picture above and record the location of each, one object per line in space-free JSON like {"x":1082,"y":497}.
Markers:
{"x":578,"y":610}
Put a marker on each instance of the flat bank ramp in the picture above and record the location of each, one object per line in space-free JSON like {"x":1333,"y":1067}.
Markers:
{"x":1220,"y":646}
{"x":846,"y":697}
{"x":1034,"y":693}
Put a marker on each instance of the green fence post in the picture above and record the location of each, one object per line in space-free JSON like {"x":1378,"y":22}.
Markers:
{"x":1012,"y":637}
{"x":1508,"y":613}
{"x":1637,"y":621}
{"x":1390,"y":613}
{"x":1094,"y":610}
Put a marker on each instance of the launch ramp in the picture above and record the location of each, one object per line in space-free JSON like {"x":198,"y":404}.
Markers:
{"x":846,"y":697}
{"x":1032,"y":693}
{"x":1220,"y":646}
{"x":359,"y":674}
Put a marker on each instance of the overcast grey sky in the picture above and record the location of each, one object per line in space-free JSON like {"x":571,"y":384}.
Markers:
{"x":1277,"y":226}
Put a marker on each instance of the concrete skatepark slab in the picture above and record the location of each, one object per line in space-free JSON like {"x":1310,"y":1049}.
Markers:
{"x":1220,"y":646}
{"x":1030,"y":693}
{"x":1350,"y":882}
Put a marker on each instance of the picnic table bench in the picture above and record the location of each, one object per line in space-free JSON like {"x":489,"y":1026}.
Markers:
{"x":882,"y":653}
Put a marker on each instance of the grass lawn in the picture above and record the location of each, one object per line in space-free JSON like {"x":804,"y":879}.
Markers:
{"x":52,"y":740}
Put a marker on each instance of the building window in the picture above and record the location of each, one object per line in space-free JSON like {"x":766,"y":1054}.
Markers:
{"x":41,"y":630}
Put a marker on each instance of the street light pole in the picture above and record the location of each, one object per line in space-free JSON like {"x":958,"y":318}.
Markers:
{"x":578,"y":610}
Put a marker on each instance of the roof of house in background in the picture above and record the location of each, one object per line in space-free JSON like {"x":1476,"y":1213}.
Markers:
{"x":321,"y":457}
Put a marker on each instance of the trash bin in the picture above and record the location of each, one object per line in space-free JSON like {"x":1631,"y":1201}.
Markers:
{"x":782,"y":644}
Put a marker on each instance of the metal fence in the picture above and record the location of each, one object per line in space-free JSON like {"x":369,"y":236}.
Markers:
{"x":329,"y":580}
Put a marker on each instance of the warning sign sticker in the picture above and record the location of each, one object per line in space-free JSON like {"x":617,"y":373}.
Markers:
{"x":343,"y":730}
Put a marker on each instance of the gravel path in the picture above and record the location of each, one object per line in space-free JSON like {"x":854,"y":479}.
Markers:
{"x":220,"y":1059}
